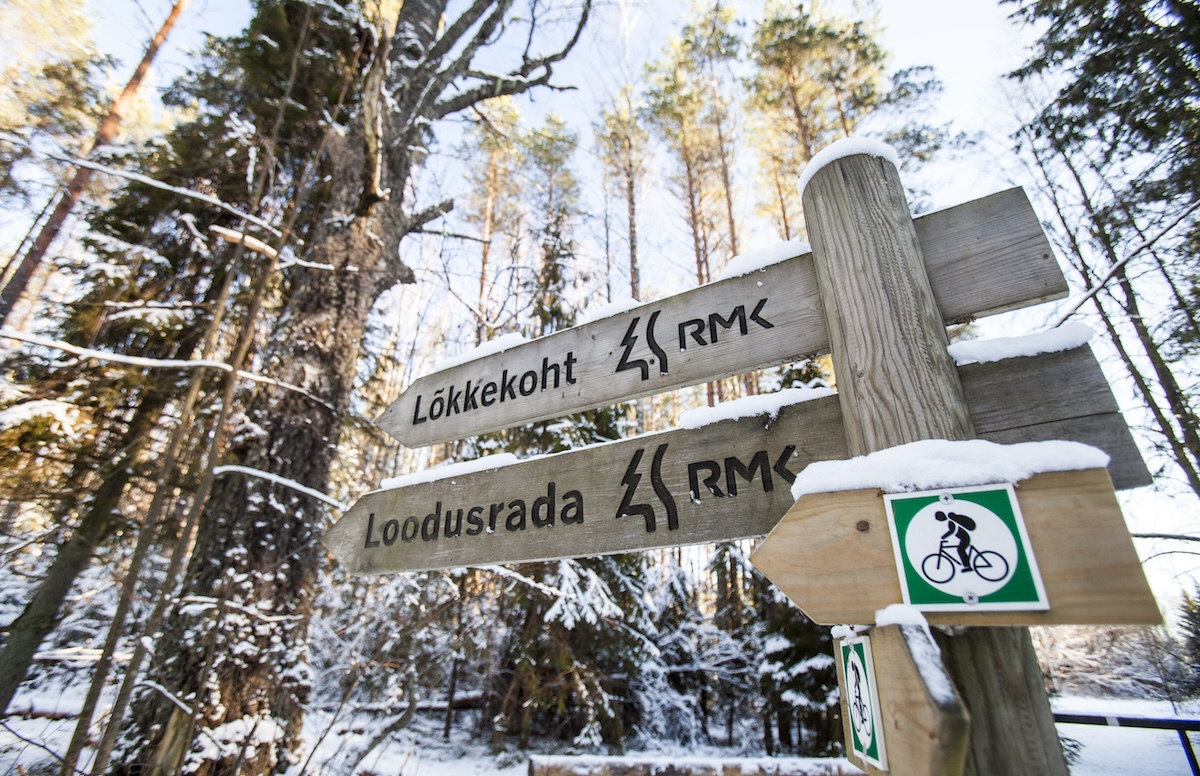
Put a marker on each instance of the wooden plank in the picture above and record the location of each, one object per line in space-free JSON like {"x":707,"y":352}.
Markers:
{"x":1062,"y":396}
{"x":924,"y":722}
{"x":832,"y":555}
{"x":960,"y":246}
{"x":814,"y":429}
{"x":667,"y":765}
{"x":653,"y":491}
{"x":985,"y":255}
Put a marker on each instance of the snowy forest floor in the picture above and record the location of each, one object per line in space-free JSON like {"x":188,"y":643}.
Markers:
{"x":28,"y":743}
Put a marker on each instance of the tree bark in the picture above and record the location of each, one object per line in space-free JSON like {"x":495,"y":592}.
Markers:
{"x":261,"y":538}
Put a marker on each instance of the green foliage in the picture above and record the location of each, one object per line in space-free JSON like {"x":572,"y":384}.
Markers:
{"x":816,"y":78}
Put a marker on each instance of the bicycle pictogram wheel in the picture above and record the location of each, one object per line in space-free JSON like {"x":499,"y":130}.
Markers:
{"x":939,"y":568}
{"x":991,"y":566}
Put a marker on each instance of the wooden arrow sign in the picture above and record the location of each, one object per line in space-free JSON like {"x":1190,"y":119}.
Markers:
{"x":725,"y":481}
{"x":833,"y":556}
{"x":983,"y":257}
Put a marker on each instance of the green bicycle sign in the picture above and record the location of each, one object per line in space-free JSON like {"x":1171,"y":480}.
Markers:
{"x":862,"y":700}
{"x":964,"y":549}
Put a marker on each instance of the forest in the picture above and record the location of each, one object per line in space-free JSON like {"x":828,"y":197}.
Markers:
{"x":213,"y":288}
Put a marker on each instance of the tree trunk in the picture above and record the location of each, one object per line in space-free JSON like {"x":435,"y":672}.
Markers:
{"x":45,"y":608}
{"x":265,"y":538}
{"x":635,"y":278}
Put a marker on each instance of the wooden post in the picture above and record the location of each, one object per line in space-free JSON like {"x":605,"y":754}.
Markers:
{"x":897,"y":384}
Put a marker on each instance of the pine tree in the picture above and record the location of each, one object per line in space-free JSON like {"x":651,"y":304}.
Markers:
{"x":49,"y":89}
{"x":623,"y":140}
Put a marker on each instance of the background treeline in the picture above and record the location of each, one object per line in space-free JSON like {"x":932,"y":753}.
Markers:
{"x":348,"y":193}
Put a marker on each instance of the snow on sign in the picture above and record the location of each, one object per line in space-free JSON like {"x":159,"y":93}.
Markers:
{"x":862,"y":701}
{"x":964,"y":549}
{"x":985,"y":256}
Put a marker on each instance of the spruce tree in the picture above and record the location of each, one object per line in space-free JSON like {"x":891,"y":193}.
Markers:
{"x":268,"y":534}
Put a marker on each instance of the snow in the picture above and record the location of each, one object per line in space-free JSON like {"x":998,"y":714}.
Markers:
{"x":251,"y":243}
{"x":498,"y":345}
{"x":753,"y":406}
{"x":900,"y":614}
{"x":61,"y":414}
{"x":275,"y":478}
{"x":938,"y":463}
{"x":153,"y":363}
{"x":1118,"y":751}
{"x":451,"y":470}
{"x":617,"y":306}
{"x":843,"y":632}
{"x":1067,"y":337}
{"x":850,"y":146}
{"x":776,"y":643}
{"x":10,"y":391}
{"x":752,"y":261}
{"x":146,"y":181}
{"x":928,"y":659}
{"x":793,"y":766}
{"x":158,"y":318}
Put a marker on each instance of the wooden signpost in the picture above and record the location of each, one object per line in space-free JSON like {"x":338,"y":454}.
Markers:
{"x":877,"y":291}
{"x":729,"y":480}
{"x":832,"y":554}
{"x":985,"y":257}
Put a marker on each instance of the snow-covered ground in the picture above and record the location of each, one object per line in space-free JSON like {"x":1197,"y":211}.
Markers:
{"x":420,"y":751}
{"x":1122,"y":751}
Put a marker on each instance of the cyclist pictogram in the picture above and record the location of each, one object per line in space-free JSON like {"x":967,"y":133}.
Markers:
{"x":940,"y":567}
{"x":858,"y":672}
{"x":964,"y":548}
{"x":859,"y":706}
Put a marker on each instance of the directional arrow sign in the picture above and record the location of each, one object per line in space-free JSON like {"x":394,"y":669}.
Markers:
{"x":986,"y":256}
{"x":833,"y":555}
{"x":719,"y":482}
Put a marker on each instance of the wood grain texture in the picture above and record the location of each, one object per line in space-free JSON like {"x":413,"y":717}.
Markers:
{"x":1004,"y":415}
{"x":925,"y":732}
{"x":660,"y":482}
{"x":985,"y":256}
{"x":594,"y":765}
{"x":1053,"y":396}
{"x":896,"y":380}
{"x":837,"y":573}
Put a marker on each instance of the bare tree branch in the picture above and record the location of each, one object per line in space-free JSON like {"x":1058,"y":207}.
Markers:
{"x":516,"y":82}
{"x":1172,"y":537}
